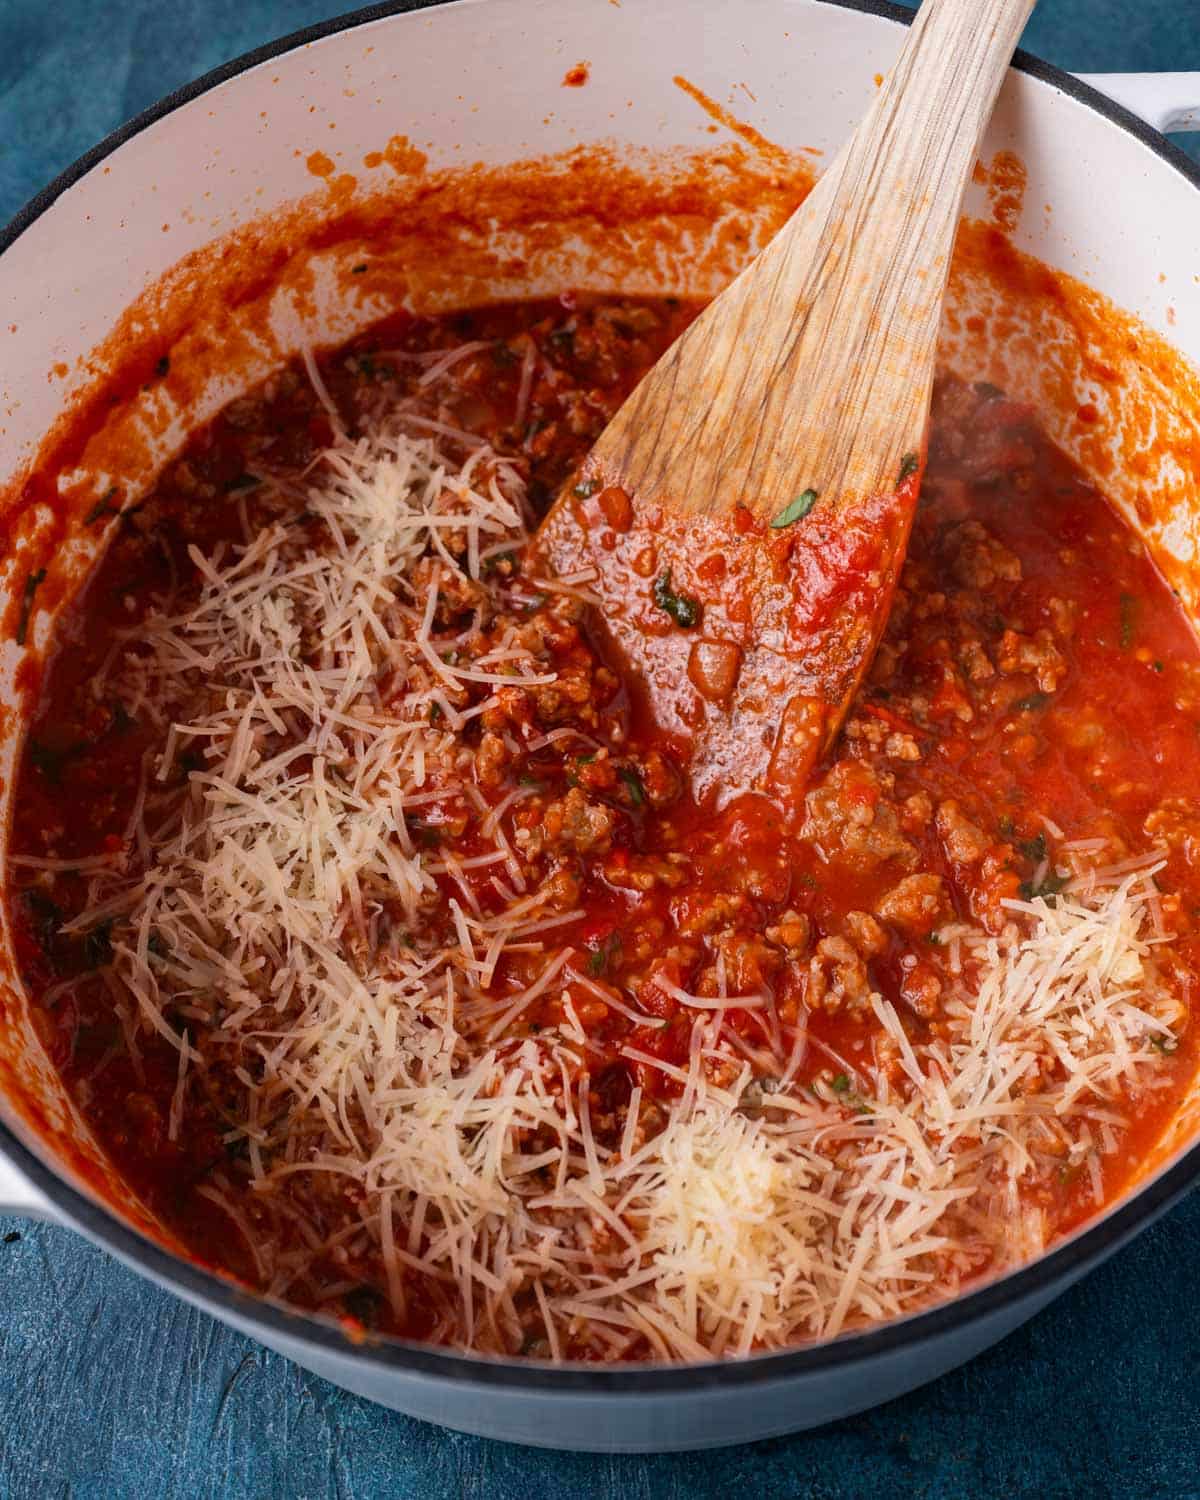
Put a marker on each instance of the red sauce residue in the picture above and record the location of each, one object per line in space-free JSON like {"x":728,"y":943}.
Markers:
{"x":1006,"y":180}
{"x":319,"y":164}
{"x":404,"y":157}
{"x":753,"y":138}
{"x":576,"y":77}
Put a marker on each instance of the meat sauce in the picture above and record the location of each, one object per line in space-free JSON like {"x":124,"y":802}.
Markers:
{"x":1035,"y":703}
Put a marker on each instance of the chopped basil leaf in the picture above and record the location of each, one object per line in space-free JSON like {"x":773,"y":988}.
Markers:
{"x":682,"y":608}
{"x":33,"y":582}
{"x":46,"y":918}
{"x":840,"y":1084}
{"x":49,"y":762}
{"x":796,"y":511}
{"x":1049,"y":888}
{"x":1031,"y":702}
{"x":633,"y":781}
{"x":103,"y":507}
{"x":1128,"y":620}
{"x":909,"y":464}
{"x":585,"y":489}
{"x":606,"y":956}
{"x":1034,"y":849}
{"x":97,"y":945}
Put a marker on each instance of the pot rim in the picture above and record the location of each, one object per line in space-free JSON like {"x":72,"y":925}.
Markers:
{"x":1059,"y":1265}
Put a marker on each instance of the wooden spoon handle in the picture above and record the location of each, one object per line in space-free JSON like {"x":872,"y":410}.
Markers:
{"x":814,"y":368}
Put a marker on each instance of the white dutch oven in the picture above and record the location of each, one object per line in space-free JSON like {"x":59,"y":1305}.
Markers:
{"x":483,"y":81}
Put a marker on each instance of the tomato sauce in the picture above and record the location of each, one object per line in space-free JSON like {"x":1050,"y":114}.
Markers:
{"x":1034,"y":708}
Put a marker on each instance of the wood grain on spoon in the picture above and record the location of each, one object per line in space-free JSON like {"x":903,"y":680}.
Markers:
{"x":746,"y":512}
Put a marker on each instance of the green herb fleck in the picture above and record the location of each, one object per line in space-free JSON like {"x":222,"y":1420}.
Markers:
{"x":435,"y":712}
{"x":157,"y":945}
{"x":242,"y":482}
{"x":358,"y":270}
{"x":840,"y":1084}
{"x":796,"y":511}
{"x":633,"y":781}
{"x":33,"y":582}
{"x":46,"y":918}
{"x":530,"y":781}
{"x":987,"y":390}
{"x":1006,"y":824}
{"x":585,"y":489}
{"x":935,"y":940}
{"x":490,"y":564}
{"x":1031,"y":702}
{"x":163,"y":365}
{"x":1164,"y":1044}
{"x":50,"y":762}
{"x":1047,"y":890}
{"x":1160,"y":666}
{"x":606,"y":957}
{"x":682,"y":608}
{"x":1034,"y":849}
{"x":103,"y":507}
{"x":909,"y":465}
{"x":97,"y":945}
{"x":1129,"y":606}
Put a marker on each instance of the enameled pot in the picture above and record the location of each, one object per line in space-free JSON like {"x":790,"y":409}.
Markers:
{"x":483,"y":80}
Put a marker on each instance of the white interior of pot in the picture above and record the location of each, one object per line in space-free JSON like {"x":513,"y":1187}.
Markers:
{"x":483,"y":81}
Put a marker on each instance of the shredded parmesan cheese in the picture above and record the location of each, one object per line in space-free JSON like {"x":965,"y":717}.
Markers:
{"x":286,"y":931}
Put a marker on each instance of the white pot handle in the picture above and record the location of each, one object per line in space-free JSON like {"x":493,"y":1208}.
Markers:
{"x":19,"y":1196}
{"x":1166,"y":101}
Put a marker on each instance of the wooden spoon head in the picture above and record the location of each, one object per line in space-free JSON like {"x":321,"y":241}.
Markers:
{"x":744,"y":641}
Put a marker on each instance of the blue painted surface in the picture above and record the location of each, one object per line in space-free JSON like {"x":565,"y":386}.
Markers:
{"x":110,"y":1388}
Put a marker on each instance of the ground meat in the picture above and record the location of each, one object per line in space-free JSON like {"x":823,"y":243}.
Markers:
{"x":865,"y":933}
{"x":791,"y":933}
{"x":1176,"y":823}
{"x":965,"y":843}
{"x":914,"y":904}
{"x":976,"y":663}
{"x":578,"y":823}
{"x":852,"y":821}
{"x":977,"y":560}
{"x":837,"y":976}
{"x":1037,"y":654}
{"x":921,"y":988}
{"x":646,"y":872}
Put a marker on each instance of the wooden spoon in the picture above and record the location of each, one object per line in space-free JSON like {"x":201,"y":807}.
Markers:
{"x":745,"y":513}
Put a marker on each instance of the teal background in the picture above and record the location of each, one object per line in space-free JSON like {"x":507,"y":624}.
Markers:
{"x":110,"y":1388}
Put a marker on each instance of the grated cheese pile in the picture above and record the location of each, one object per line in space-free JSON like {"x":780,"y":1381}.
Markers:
{"x":282,"y":926}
